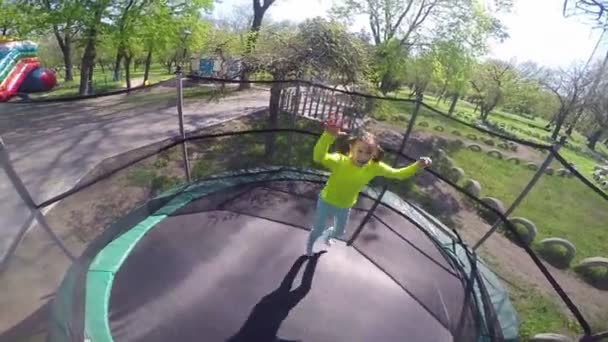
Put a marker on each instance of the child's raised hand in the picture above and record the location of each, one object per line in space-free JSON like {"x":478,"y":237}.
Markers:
{"x":333,"y":126}
{"x":425,"y":162}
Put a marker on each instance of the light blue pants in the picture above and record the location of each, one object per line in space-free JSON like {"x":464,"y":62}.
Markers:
{"x":323,"y":211}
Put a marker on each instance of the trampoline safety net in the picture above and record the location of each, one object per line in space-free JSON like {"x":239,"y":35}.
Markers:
{"x":181,"y":211}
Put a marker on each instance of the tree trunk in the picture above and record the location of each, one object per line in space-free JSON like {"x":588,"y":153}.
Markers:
{"x":65,"y":45}
{"x":594,"y":137}
{"x":117,"y":63}
{"x":169,"y":64}
{"x":66,"y":50}
{"x":455,"y":97}
{"x":128,"y":59}
{"x":147,"y":65}
{"x":273,"y":118}
{"x":256,"y":24}
{"x":442,"y":92}
{"x":558,"y":124}
{"x":88,"y":58}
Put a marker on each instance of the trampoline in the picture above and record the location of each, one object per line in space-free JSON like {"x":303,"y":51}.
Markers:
{"x":223,"y":259}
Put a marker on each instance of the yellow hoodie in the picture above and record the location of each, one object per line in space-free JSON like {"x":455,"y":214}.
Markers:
{"x":347,"y":179}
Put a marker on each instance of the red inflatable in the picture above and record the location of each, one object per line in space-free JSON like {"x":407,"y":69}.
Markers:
{"x":11,"y":84}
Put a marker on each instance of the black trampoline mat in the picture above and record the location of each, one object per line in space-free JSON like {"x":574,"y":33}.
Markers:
{"x":216,"y":276}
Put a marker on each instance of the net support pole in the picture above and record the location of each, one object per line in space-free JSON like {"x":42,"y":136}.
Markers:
{"x":182,"y":131}
{"x":36,"y":214}
{"x":524,"y":192}
{"x":406,"y":137}
{"x":291,"y":119}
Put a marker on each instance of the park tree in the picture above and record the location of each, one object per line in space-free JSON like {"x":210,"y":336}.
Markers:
{"x":569,"y":86}
{"x":259,"y":10}
{"x":92,"y":14}
{"x":451,"y":70}
{"x":126,"y":16}
{"x":528,"y":96}
{"x":65,"y":19}
{"x":398,"y":26}
{"x":597,"y":105}
{"x":146,"y":25}
{"x":419,"y":72}
{"x":16,"y":19}
{"x":489,"y":82}
{"x":595,"y":11}
{"x":291,"y":54}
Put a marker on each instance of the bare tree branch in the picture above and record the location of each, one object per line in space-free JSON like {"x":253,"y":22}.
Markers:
{"x":395,"y":27}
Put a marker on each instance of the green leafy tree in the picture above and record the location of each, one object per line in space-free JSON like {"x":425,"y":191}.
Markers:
{"x":65,"y":19}
{"x":489,"y":82}
{"x":597,"y":105}
{"x":398,"y":26}
{"x":16,"y":19}
{"x":419,"y":72}
{"x":337,"y":53}
{"x":569,"y":85}
{"x":452,"y":68}
{"x":259,"y":10}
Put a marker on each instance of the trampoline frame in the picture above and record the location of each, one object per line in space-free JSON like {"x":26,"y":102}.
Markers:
{"x":97,"y":268}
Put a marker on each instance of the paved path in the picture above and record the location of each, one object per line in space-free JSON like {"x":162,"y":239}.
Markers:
{"x":52,"y":146}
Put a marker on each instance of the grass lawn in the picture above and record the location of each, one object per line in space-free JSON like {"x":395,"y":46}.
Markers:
{"x":102,"y":82}
{"x":557,"y":205}
{"x":560,"y":207}
{"x":539,"y":314}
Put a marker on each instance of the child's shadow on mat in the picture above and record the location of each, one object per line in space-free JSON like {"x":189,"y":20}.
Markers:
{"x":269,"y":313}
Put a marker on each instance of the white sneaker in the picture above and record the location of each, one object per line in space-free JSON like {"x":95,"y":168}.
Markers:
{"x":327,"y":236}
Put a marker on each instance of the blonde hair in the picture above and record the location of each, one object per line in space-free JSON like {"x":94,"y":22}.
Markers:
{"x":369,"y":139}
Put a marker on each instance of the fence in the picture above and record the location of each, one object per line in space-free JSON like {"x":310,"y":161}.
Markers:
{"x":302,"y":100}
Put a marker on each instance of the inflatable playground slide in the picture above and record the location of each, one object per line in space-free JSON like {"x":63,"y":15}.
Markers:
{"x":20,"y":70}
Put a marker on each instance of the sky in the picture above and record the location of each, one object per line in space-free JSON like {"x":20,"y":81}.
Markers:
{"x":538,"y":31}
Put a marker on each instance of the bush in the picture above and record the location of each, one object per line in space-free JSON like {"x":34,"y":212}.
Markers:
{"x":489,"y":142}
{"x":401,"y":117}
{"x":141,"y":177}
{"x":163,"y":183}
{"x":423,"y":124}
{"x":456,"y":133}
{"x":202,"y":169}
{"x":161,"y":163}
{"x":471,"y":136}
{"x":439,"y":128}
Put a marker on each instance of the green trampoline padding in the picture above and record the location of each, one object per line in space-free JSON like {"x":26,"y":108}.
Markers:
{"x":108,"y":261}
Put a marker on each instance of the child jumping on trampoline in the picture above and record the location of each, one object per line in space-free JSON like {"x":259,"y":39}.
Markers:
{"x":349,"y":174}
